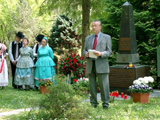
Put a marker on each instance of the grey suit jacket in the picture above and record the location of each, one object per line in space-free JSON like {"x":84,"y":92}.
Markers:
{"x":104,"y":45}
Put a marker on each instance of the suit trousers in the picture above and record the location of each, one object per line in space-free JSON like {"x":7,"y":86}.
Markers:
{"x":103,"y":81}
{"x":13,"y":67}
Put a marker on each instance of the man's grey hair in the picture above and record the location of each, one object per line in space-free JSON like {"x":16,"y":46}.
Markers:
{"x":97,"y":21}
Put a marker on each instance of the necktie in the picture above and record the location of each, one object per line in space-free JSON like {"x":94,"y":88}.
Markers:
{"x":16,"y":56}
{"x":95,"y":42}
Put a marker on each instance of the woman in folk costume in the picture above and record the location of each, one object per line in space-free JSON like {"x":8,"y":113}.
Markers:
{"x":3,"y":66}
{"x":37,"y":46}
{"x":25,"y":67}
{"x":14,"y":55}
{"x":45,"y":64}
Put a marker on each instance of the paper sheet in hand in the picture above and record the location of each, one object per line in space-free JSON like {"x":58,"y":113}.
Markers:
{"x":91,"y":54}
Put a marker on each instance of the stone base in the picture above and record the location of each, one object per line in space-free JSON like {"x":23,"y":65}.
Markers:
{"x":126,"y":58}
{"x":120,"y":77}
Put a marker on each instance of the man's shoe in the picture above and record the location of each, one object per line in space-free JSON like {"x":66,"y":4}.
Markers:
{"x":95,"y":106}
{"x":105,"y":107}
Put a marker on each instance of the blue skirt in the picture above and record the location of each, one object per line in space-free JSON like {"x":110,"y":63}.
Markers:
{"x":45,"y":72}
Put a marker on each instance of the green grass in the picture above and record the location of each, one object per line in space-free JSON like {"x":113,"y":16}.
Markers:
{"x":119,"y":110}
{"x":15,"y":99}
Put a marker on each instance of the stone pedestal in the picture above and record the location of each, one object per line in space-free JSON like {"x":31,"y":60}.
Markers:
{"x":126,"y":58}
{"x":121,"y":78}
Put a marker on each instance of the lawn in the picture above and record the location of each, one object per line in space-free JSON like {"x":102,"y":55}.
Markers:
{"x":15,"y":99}
{"x":118,"y":110}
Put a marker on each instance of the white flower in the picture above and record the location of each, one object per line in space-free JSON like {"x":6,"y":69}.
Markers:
{"x":141,"y":79}
{"x":80,"y":79}
{"x":145,"y":80}
{"x":87,"y":79}
{"x":150,"y":79}
{"x":136,"y":82}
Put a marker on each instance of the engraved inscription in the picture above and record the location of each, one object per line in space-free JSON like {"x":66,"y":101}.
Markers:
{"x":121,"y":77}
{"x":124,"y":44}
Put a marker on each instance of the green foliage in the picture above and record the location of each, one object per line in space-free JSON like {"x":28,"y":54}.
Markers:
{"x":62,"y":103}
{"x":64,"y":36}
{"x":81,"y":86}
{"x":22,"y":15}
{"x":147,"y":25}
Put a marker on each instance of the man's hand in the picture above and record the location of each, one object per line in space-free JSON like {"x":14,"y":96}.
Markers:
{"x":97,"y":53}
{"x":14,"y":62}
{"x":87,"y":54}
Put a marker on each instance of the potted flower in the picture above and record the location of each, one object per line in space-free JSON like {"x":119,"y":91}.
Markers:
{"x":141,"y":89}
{"x":44,"y":83}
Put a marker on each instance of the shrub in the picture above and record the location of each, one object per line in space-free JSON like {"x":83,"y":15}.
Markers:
{"x":62,"y":102}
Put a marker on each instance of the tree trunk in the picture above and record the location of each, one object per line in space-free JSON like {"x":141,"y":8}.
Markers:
{"x":85,"y":20}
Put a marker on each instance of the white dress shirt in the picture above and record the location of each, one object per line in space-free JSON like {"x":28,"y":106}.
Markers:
{"x":10,"y":51}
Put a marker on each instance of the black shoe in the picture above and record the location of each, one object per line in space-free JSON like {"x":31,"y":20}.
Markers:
{"x":36,"y":88}
{"x":105,"y":107}
{"x":20,"y":87}
{"x":95,"y":106}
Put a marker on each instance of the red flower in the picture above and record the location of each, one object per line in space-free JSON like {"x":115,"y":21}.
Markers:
{"x":75,"y":80}
{"x":56,"y":67}
{"x":66,"y":59}
{"x":117,"y":94}
{"x":63,"y":62}
{"x":67,"y":55}
{"x":122,"y":95}
{"x":64,"y":66}
{"x":84,"y":64}
{"x":57,"y":62}
{"x":125,"y":97}
{"x":70,"y":60}
{"x":75,"y":54}
{"x":110,"y":94}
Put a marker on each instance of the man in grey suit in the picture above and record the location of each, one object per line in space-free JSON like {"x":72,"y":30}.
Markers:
{"x":98,"y":67}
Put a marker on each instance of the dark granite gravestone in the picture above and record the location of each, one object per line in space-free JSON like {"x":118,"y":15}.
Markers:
{"x":127,"y":42}
{"x":121,"y":78}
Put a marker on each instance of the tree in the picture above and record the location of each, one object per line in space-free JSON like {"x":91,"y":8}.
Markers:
{"x":25,"y":22}
{"x":6,"y":29}
{"x":64,"y":36}
{"x":147,"y":26}
{"x":75,"y":8}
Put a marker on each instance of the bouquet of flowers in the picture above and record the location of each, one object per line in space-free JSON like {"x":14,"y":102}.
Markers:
{"x":72,"y":62}
{"x":142,"y":85}
{"x":45,"y":82}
